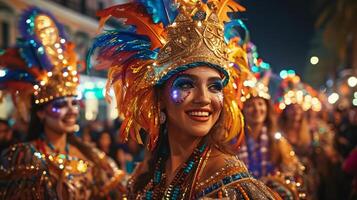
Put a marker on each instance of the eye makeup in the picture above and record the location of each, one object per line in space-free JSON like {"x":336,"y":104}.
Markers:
{"x":57,"y":105}
{"x":181,"y":87}
{"x":216,"y":86}
{"x":63,"y":102}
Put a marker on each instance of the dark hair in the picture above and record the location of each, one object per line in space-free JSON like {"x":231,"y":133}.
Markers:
{"x":5,"y":121}
{"x":303,"y":132}
{"x":153,"y":157}
{"x":271,"y":124}
{"x":36,"y":127}
{"x":215,"y":137}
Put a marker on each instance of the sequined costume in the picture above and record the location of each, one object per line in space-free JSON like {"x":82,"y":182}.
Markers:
{"x":28,"y":172}
{"x":232,"y":180}
{"x":161,"y":39}
{"x":269,"y":157}
{"x":257,"y":156}
{"x":298,"y":97}
{"x":41,"y":69}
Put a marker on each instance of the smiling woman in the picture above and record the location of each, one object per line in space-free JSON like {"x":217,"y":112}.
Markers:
{"x":193,"y":98}
{"x":53,"y":164}
{"x":171,"y":73}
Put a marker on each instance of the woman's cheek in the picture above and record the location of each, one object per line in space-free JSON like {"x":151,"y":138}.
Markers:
{"x":220,"y":97}
{"x":54,"y":112}
{"x":178,"y":96}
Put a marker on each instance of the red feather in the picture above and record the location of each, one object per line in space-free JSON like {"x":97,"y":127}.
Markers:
{"x":12,"y":60}
{"x":135,"y":14}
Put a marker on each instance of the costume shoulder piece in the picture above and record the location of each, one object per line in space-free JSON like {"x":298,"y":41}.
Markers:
{"x":233,"y":181}
{"x":22,"y":168}
{"x":290,"y":162}
{"x":108,"y":175}
{"x":288,"y":182}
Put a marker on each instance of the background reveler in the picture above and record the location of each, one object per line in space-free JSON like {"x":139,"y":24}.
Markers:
{"x":42,"y":76}
{"x":268,"y":155}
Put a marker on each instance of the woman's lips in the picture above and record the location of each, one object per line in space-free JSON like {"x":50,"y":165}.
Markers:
{"x":200,"y":115}
{"x":70,"y":121}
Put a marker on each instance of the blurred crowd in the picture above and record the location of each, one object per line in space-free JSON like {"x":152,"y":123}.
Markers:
{"x":330,"y":159}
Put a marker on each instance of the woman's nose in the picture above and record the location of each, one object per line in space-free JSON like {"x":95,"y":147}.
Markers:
{"x":202,"y":96}
{"x":73,"y":108}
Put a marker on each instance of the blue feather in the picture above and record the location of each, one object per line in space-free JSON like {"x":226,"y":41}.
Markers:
{"x":236,"y":28}
{"x":18,"y":75}
{"x":123,"y":41}
{"x":164,"y":11}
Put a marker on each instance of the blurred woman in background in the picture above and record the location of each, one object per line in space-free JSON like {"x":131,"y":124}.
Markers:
{"x":53,"y":163}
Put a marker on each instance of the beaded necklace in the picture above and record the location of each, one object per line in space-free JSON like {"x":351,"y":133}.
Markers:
{"x":179,"y":187}
{"x":258,"y":159}
{"x":53,"y":148}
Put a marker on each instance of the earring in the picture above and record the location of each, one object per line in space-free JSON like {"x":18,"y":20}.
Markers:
{"x":162,"y":117}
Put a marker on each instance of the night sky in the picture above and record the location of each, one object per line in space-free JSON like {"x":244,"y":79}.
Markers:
{"x":282,"y":31}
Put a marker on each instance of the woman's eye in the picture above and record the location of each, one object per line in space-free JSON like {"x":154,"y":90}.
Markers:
{"x":183,"y":83}
{"x":185,"y":86}
{"x":59,"y":104}
{"x":75,"y":102}
{"x":216,"y":87}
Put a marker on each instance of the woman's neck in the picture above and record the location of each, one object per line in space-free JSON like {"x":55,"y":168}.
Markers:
{"x":256,"y":130}
{"x":58,"y":140}
{"x":181,"y":147}
{"x":293,"y":125}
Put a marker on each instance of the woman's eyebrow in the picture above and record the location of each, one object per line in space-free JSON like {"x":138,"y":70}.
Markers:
{"x":196,"y":77}
{"x":214,"y":78}
{"x":192,"y":76}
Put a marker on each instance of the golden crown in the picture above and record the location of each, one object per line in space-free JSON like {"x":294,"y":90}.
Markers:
{"x":197,"y":39}
{"x":160,"y":42}
{"x":62,"y":80}
{"x":253,"y":87}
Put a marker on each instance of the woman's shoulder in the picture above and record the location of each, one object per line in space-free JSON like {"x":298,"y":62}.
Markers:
{"x":21,"y":159}
{"x":20,"y":152}
{"x":227,"y":176}
{"x":106,"y":172}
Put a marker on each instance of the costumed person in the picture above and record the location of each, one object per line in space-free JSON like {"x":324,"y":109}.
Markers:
{"x":267,"y":154}
{"x":327,"y":161}
{"x":6,"y":134}
{"x":292,"y":102}
{"x":41,"y":74}
{"x":171,"y":76}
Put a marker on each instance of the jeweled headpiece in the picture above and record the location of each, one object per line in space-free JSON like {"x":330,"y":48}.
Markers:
{"x":293,"y":91}
{"x":160,"y":39}
{"x":256,"y":87}
{"x":43,"y":63}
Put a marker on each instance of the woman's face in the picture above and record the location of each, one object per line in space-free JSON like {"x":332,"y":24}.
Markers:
{"x":104,"y":140}
{"x":294,"y":112}
{"x":193,"y":101}
{"x":255,"y":111}
{"x":60,"y":115}
{"x":46,"y":30}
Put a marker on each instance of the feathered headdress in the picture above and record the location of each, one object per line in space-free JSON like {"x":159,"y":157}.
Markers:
{"x":256,"y":86}
{"x":160,"y":39}
{"x":42,"y":64}
{"x":293,"y":91}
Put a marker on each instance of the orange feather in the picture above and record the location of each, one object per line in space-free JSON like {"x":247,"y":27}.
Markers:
{"x":226,"y":6}
{"x":135,"y":15}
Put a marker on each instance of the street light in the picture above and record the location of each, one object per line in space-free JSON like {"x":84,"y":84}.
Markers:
{"x":352,"y":81}
{"x":2,"y":73}
{"x":314,"y":60}
{"x":333,"y":98}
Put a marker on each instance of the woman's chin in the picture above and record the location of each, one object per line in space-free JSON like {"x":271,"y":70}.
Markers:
{"x":71,"y":129}
{"x":196,"y":132}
